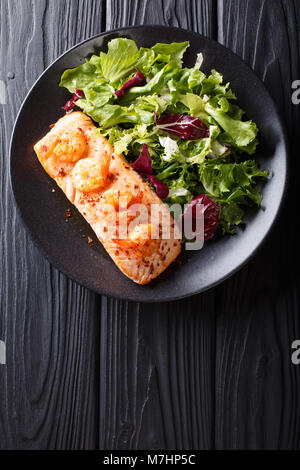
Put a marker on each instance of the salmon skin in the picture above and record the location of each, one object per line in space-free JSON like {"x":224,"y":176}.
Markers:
{"x":96,"y":180}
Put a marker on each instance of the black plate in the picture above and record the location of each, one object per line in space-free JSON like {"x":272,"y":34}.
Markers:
{"x":43,"y":211}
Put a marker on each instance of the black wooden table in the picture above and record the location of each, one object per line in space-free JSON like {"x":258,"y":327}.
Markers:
{"x":212,"y":371}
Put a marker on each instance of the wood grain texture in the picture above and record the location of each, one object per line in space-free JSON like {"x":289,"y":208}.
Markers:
{"x":256,"y":384}
{"x":199,"y":16}
{"x":49,"y":387}
{"x":156,"y":382}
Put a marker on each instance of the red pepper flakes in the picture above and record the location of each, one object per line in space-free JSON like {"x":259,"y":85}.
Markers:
{"x":68,"y":213}
{"x":61,"y":172}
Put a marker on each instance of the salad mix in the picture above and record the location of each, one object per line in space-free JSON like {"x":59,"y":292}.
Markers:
{"x":182,"y":129}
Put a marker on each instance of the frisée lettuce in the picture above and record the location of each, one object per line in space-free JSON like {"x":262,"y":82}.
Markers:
{"x":187,"y":122}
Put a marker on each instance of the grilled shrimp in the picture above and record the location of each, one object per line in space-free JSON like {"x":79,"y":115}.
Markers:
{"x":140,"y":240}
{"x":70,"y":146}
{"x":113,"y":196}
{"x":67,"y":146}
{"x":90,"y":174}
{"x":63,"y":149}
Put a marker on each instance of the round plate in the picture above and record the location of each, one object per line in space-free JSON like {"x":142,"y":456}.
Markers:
{"x":65,"y":244}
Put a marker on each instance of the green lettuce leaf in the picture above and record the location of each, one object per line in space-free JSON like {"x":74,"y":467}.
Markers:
{"x":231,"y":216}
{"x":85,"y":76}
{"x":120,"y":59}
{"x":174,"y":50}
{"x":154,"y":85}
{"x":146,"y":59}
{"x":97,"y":95}
{"x":213,"y":85}
{"x":222,"y":180}
{"x":241,"y":133}
{"x":196,"y":150}
{"x":130,"y":140}
{"x":196,"y":106}
{"x":153,"y":103}
{"x":110,"y":115}
{"x":190,"y":79}
{"x":232,"y":185}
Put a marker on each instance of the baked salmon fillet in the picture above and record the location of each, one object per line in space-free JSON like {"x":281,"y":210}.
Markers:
{"x":111,"y":196}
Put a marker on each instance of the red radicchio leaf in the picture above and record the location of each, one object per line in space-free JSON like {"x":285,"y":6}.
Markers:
{"x":136,"y":80}
{"x":143,"y":165}
{"x":161,"y":188}
{"x":71,"y":103}
{"x":182,"y":125}
{"x":211,"y":213}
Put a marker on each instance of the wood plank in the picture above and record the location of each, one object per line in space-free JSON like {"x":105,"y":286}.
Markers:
{"x":156,"y":375}
{"x":157,"y":361}
{"x":257,"y":399}
{"x":199,"y":16}
{"x":49,"y":387}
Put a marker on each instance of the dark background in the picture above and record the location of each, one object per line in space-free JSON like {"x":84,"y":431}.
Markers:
{"x":211,"y":371}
